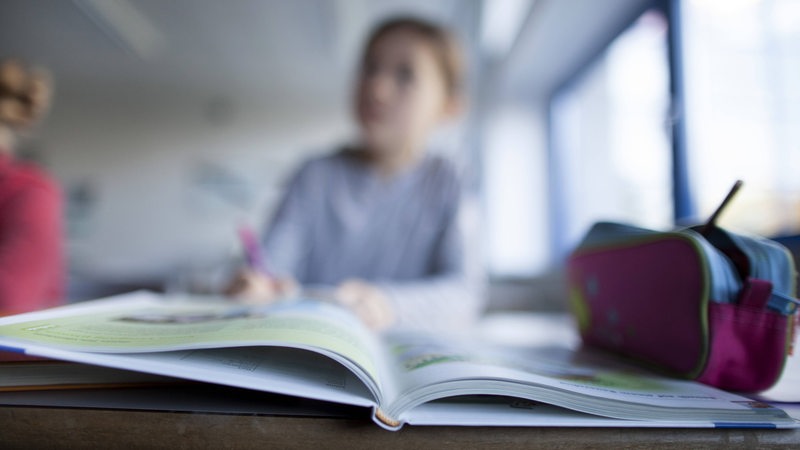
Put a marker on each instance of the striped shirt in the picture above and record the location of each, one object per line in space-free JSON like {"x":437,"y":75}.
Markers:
{"x":340,"y":219}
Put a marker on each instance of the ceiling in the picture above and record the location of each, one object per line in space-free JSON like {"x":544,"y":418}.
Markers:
{"x":559,"y":38}
{"x":254,"y":46}
{"x":273,"y":47}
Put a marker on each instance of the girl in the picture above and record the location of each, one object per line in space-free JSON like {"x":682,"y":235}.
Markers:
{"x":31,"y":272}
{"x":383,"y":220}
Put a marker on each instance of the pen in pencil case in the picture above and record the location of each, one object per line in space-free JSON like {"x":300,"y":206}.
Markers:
{"x":252,"y":251}
{"x":712,"y":220}
{"x":783,"y":304}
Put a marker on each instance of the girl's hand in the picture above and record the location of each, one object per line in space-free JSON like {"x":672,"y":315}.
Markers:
{"x":251,"y":286}
{"x":368,"y":302}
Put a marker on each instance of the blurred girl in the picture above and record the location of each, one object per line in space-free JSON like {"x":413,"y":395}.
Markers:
{"x":31,"y":272}
{"x":382,"y":220}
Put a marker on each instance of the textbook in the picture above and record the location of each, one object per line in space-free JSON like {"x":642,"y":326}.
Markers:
{"x":319,"y":351}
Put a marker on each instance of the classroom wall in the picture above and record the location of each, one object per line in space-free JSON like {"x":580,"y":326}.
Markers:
{"x":157,"y":182}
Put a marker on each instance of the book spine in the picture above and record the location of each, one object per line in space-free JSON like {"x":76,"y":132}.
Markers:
{"x":382,"y":419}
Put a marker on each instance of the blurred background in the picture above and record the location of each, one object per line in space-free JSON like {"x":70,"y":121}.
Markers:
{"x":176,"y":121}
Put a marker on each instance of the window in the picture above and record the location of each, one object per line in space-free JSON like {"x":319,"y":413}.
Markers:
{"x":515,"y":193}
{"x":742,"y":80}
{"x":611,"y":146}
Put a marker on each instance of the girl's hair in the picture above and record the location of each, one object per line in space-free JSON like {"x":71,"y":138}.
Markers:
{"x":24,"y":94}
{"x":444,"y":43}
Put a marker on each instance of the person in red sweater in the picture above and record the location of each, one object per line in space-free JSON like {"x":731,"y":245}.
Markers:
{"x":31,"y":261}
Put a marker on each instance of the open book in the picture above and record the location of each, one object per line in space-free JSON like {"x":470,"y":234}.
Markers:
{"x":316,"y":350}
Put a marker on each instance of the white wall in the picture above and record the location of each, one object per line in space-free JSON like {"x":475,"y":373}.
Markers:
{"x":142,"y":155}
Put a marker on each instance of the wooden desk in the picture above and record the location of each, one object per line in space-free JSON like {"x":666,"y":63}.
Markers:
{"x":215,"y":417}
{"x":38,"y":427}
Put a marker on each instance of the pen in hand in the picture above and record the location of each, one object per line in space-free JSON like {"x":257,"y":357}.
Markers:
{"x":257,"y":283}
{"x":363,"y":299}
{"x":252,"y":252}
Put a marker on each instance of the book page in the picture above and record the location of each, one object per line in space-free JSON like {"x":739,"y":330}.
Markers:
{"x":435,"y":368}
{"x":506,"y":411}
{"x":144,"y":323}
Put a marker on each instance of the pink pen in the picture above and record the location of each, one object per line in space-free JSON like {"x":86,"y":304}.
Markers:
{"x":252,"y":251}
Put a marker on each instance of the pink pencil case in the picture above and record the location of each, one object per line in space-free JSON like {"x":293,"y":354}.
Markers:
{"x":718,"y":308}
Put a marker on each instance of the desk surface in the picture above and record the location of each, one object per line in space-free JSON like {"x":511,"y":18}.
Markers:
{"x":207,"y":416}
{"x":38,"y":427}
